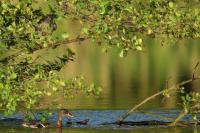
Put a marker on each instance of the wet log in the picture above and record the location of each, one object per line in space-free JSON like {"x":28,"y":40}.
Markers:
{"x":152,"y":123}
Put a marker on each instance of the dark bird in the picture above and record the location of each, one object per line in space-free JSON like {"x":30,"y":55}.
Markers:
{"x":39,"y":124}
{"x":83,"y":122}
{"x":80,"y":122}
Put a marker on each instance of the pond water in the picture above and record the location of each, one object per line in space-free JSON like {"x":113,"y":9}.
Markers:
{"x":100,"y":121}
{"x":125,"y":83}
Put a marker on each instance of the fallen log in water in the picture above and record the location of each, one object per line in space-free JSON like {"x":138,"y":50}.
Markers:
{"x":152,"y":123}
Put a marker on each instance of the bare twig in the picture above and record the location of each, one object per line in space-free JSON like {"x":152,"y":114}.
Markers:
{"x":54,"y":45}
{"x":10,"y":56}
{"x":78,"y":39}
{"x":180,"y":116}
{"x":174,"y":87}
{"x":195,"y":69}
{"x":167,"y":86}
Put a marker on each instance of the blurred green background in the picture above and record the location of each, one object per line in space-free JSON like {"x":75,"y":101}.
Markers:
{"x":127,"y":81}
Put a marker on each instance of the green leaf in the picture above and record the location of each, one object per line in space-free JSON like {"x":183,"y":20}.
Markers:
{"x":65,"y":36}
{"x":171,"y":4}
{"x":1,"y":86}
{"x":13,"y":76}
{"x":139,"y":48}
{"x":121,"y":54}
{"x":85,"y":30}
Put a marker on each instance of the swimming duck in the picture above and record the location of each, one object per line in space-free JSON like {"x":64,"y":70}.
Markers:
{"x":63,"y":112}
{"x":81,"y":122}
{"x":39,"y":124}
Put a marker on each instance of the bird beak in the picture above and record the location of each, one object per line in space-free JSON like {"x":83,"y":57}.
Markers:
{"x":69,"y":115}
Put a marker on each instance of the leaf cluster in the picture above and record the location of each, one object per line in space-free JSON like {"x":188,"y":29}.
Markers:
{"x":25,"y":30}
{"x":125,"y":23}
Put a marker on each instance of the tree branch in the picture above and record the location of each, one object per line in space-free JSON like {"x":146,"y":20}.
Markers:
{"x":53,"y":45}
{"x":174,"y":87}
{"x":78,"y":39}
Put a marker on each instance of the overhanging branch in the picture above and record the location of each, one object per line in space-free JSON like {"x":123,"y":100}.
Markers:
{"x":173,"y":88}
{"x":53,"y":45}
{"x":78,"y":40}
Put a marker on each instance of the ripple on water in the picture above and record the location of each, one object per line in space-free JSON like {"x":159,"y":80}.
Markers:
{"x":97,"y":118}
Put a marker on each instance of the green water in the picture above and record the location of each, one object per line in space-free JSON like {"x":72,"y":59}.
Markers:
{"x":127,"y":81}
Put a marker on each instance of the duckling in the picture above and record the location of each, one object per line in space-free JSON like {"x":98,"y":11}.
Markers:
{"x":36,"y":124}
{"x":39,"y":124}
{"x":83,"y":122}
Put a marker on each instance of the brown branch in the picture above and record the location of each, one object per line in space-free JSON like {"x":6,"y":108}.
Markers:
{"x":10,"y":56}
{"x":53,"y":45}
{"x":195,"y":69}
{"x":174,"y":87}
{"x":78,"y":39}
{"x":180,"y":116}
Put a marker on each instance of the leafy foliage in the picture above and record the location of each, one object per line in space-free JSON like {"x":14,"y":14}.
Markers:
{"x":190,"y":101}
{"x":25,"y":30}
{"x":190,"y":104}
{"x":124,"y":23}
{"x":22,"y":27}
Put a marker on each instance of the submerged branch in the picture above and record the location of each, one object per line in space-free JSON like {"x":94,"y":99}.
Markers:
{"x":181,"y":115}
{"x":174,"y":87}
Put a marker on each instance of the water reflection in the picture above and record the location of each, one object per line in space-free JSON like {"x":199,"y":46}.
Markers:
{"x":131,"y":79}
{"x":126,"y":81}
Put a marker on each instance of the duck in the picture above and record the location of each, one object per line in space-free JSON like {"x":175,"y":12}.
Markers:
{"x":62,"y":113}
{"x":80,"y":122}
{"x":83,"y":122}
{"x":39,"y":124}
{"x":36,"y":124}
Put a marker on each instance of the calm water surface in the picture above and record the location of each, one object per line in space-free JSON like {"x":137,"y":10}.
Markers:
{"x":97,"y":121}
